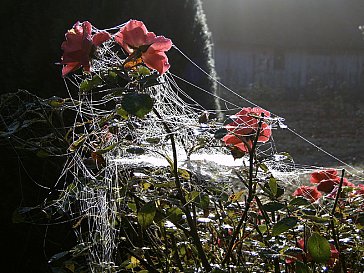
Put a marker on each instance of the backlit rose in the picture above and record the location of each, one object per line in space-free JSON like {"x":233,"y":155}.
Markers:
{"x":310,"y":193}
{"x":317,"y":176}
{"x":245,"y":123}
{"x":244,"y":127}
{"x":231,"y":140}
{"x":78,"y":46}
{"x":139,"y":42}
{"x":327,"y":185}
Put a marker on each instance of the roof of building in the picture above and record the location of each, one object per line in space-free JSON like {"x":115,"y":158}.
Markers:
{"x":315,"y":24}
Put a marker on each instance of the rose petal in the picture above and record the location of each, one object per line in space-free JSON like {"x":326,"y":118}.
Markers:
{"x":133,"y":35}
{"x":156,"y":60}
{"x":87,"y":28}
{"x":100,"y":38}
{"x":310,"y":193}
{"x":317,"y":176}
{"x":73,"y":41}
{"x":326,"y":185}
{"x":231,"y":140}
{"x":69,"y":67}
{"x":161,"y":43}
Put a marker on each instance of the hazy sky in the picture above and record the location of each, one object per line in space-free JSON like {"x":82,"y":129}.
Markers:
{"x":326,"y":23}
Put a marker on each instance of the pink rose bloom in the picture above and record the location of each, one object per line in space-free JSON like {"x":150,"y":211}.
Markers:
{"x":79,"y":45}
{"x":328,"y":185}
{"x":317,"y":176}
{"x":136,"y":39}
{"x":231,"y":140}
{"x":311,"y":193}
{"x":246,"y":124}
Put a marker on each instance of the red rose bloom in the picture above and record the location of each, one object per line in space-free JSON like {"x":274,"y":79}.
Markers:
{"x":327,"y":185}
{"x":245,"y":126}
{"x":231,"y":140}
{"x":136,"y":39}
{"x":317,"y":176}
{"x":78,"y":47}
{"x":311,"y":193}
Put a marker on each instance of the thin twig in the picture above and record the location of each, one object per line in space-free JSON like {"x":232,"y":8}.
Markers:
{"x":190,"y":221}
{"x":334,"y":233}
{"x":250,"y":195}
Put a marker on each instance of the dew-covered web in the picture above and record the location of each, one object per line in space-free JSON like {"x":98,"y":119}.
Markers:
{"x":94,"y":182}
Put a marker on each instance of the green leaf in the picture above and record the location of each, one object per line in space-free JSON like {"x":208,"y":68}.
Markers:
{"x":317,"y":219}
{"x":137,"y":104}
{"x":73,"y":147}
{"x":132,"y":206}
{"x":184,"y":174}
{"x":143,"y":71}
{"x":302,"y":268}
{"x":319,"y":248}
{"x":220,"y":133}
{"x":203,"y":201}
{"x":174,"y":214}
{"x":146,"y":214}
{"x":106,"y":149}
{"x":135,"y":150}
{"x":87,"y":85}
{"x":263,"y":167}
{"x":263,"y":228}
{"x":112,"y":77}
{"x":273,"y":186}
{"x":56,"y":101}
{"x":84,"y":86}
{"x":153,"y":140}
{"x":299,"y":201}
{"x":273,"y":206}
{"x":236,"y":196}
{"x":121,"y":112}
{"x":58,"y":256}
{"x":191,"y":196}
{"x":284,"y":225}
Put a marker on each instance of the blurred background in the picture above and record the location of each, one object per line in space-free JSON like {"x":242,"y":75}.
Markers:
{"x":302,"y":60}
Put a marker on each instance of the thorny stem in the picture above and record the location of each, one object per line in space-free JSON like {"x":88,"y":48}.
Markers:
{"x":338,"y":193}
{"x":251,"y":193}
{"x":191,"y":223}
{"x":334,"y":233}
